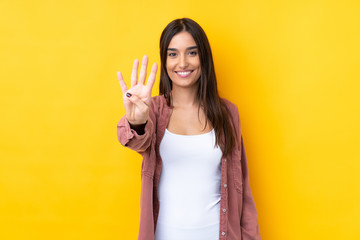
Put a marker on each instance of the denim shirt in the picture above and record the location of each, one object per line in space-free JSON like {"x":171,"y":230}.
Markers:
{"x":238,"y":216}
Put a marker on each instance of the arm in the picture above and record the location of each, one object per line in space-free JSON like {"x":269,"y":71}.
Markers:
{"x":249,"y":221}
{"x":136,"y":127}
{"x":137,"y":138}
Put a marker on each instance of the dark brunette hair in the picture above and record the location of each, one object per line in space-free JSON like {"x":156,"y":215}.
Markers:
{"x":215,"y":109}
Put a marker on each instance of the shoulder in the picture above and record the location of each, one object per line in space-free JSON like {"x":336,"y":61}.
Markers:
{"x":158,"y":103}
{"x":158,"y":100}
{"x":233,"y":112}
{"x":230,"y":106}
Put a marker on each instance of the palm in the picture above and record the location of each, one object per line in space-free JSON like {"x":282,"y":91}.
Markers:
{"x":137,"y":106}
{"x":133,"y":111}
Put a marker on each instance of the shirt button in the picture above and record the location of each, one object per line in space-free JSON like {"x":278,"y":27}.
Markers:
{"x":223,"y":233}
{"x":224,"y":210}
{"x":225,"y":185}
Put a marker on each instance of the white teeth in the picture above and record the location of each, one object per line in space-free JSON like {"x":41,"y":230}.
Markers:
{"x":183,"y":73}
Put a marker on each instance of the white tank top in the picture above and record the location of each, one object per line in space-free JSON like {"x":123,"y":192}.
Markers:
{"x":189,"y":187}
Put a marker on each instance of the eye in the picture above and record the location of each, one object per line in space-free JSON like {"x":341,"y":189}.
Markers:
{"x":172,"y":54}
{"x":193,"y":53}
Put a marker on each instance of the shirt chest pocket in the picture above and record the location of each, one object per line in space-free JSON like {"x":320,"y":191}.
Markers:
{"x":237,"y":170}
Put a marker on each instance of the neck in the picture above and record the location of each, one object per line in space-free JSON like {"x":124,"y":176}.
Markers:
{"x":184,"y":97}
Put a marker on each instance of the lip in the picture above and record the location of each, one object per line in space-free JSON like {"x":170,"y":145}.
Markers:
{"x":184,"y":75}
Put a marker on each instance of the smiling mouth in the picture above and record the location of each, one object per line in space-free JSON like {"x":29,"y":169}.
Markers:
{"x":184,"y":74}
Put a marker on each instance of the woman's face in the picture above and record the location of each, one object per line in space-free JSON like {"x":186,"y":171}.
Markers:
{"x":183,"y":62}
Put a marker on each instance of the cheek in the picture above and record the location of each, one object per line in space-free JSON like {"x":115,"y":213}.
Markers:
{"x":168,"y":70}
{"x":199,"y":71}
{"x":169,"y":66}
{"x":198,"y":65}
{"x":197,"y":62}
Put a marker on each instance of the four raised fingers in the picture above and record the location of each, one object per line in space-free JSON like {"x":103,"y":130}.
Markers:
{"x":142,"y":76}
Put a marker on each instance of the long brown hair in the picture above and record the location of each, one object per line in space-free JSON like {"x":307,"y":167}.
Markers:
{"x":215,"y":109}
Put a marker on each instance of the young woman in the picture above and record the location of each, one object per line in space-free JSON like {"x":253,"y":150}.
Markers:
{"x":194,"y":175}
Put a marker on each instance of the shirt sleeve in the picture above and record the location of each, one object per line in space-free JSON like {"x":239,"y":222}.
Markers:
{"x":249,"y":220}
{"x":128,"y":136}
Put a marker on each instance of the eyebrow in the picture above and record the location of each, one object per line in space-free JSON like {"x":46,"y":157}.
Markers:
{"x":189,"y":48}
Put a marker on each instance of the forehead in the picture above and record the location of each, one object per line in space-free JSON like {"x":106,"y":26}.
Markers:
{"x":182,"y":40}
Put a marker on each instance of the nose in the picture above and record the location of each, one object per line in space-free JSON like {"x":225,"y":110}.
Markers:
{"x":183,"y":61}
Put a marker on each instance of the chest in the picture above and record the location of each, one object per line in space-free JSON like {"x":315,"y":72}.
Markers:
{"x":191,"y":121}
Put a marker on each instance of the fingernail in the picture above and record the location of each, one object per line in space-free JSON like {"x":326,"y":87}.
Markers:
{"x":128,"y":94}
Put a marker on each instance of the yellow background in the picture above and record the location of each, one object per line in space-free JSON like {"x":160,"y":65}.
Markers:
{"x":292,"y":67}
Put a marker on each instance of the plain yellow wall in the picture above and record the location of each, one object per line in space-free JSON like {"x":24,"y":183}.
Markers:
{"x":292,"y":67}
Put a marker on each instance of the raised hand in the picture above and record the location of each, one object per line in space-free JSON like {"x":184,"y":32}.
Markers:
{"x":137,"y":99}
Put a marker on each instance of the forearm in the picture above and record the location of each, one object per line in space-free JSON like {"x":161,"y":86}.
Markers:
{"x":137,"y":138}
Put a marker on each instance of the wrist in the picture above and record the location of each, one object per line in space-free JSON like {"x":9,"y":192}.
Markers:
{"x":139,"y":128}
{"x":137,"y":124}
